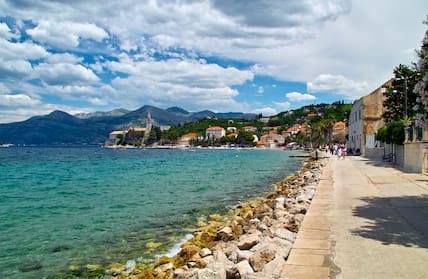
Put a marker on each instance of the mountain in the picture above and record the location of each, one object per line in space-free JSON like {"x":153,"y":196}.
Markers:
{"x":59,"y":128}
{"x":55,"y":128}
{"x":115,"y":112}
{"x":178,"y":110}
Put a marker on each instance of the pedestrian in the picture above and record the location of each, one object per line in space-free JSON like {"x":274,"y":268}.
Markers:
{"x":339,"y":152}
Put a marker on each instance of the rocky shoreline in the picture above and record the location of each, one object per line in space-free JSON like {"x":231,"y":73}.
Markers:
{"x":253,"y":242}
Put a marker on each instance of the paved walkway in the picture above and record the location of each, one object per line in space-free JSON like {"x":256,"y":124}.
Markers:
{"x":367,"y":220}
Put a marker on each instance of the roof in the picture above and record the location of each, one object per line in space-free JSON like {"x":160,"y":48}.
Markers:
{"x":340,"y":123}
{"x":215,"y":128}
{"x":117,"y":133}
{"x":190,"y":135}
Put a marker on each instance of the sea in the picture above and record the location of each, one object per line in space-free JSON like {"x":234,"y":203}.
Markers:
{"x":74,"y":206}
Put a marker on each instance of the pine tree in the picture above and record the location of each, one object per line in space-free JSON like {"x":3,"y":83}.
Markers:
{"x":421,"y":88}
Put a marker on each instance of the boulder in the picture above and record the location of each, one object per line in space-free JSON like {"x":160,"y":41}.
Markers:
{"x":208,"y":273}
{"x":225,"y":234}
{"x":279,"y":203}
{"x":165,"y":271}
{"x":298,"y":209}
{"x":244,"y":269}
{"x":246,"y":242}
{"x":220,"y":257}
{"x":185,"y":274}
{"x":285,"y":234}
{"x":273,"y":269}
{"x":215,"y":270}
{"x":205,"y":252}
{"x":237,"y":226}
{"x":262,"y":256}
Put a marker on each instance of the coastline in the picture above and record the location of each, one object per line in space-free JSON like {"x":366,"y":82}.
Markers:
{"x":252,"y":240}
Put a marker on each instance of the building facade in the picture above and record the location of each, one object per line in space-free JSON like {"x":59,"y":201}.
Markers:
{"x":364,"y":121}
{"x":215,"y":132}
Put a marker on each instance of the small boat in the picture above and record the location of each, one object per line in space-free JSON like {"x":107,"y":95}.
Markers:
{"x":6,"y":145}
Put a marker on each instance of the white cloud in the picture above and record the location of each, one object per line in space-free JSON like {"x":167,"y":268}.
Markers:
{"x":298,"y":97}
{"x":21,"y":51}
{"x":65,"y":74}
{"x":66,"y":34}
{"x":4,"y":89}
{"x":14,"y":69}
{"x":266,"y":111}
{"x":194,"y":84}
{"x":17,"y":100}
{"x":282,"y":106}
{"x":63,"y":58}
{"x":5,"y":32}
{"x":337,"y":84}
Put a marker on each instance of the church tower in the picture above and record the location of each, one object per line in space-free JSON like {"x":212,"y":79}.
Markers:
{"x":148,"y":126}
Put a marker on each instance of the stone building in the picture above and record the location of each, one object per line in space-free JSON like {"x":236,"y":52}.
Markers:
{"x":364,"y":122}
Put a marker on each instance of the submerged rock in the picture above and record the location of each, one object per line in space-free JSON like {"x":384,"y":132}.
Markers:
{"x":30,"y":266}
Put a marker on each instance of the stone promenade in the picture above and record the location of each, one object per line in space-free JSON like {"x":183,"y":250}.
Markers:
{"x":367,"y":220}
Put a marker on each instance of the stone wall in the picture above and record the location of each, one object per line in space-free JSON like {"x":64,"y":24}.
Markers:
{"x":399,"y":155}
{"x":414,"y":157}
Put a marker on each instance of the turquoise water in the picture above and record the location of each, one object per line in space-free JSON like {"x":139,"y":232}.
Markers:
{"x":74,"y":206}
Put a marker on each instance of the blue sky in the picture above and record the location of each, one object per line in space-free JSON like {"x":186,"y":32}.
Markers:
{"x":250,"y":56}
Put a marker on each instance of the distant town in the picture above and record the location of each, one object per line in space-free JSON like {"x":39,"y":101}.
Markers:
{"x":308,"y":128}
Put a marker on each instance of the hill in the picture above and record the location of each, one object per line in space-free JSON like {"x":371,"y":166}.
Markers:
{"x":61,"y":128}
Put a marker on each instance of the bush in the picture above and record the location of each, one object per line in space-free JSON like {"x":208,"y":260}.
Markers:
{"x":392,"y":133}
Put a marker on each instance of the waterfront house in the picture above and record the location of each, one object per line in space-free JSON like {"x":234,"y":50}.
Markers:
{"x":251,"y":129}
{"x":186,"y":138}
{"x":115,"y":137}
{"x":272,"y":140}
{"x":215,"y":132}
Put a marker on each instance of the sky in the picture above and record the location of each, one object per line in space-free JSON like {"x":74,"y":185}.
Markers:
{"x":260,"y":56}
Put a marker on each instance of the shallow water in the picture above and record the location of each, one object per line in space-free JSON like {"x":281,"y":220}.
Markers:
{"x":74,"y":206}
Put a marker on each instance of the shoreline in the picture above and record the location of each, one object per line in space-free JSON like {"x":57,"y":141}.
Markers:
{"x":237,"y":243}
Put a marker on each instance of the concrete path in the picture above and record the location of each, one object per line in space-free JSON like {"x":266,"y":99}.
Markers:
{"x":367,"y":220}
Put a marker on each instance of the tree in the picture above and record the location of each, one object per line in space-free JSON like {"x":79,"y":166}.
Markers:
{"x":400,"y":99}
{"x":421,"y":88}
{"x":392,"y":133}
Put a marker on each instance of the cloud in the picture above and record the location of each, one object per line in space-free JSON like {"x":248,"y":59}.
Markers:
{"x":298,"y":97}
{"x":17,"y":100}
{"x":266,"y":111}
{"x":4,"y":89}
{"x":337,"y":84}
{"x":282,"y":106}
{"x":174,"y":81}
{"x":281,"y":14}
{"x":5,"y":32}
{"x":66,"y":34}
{"x":65,"y":74}
{"x":21,"y":51}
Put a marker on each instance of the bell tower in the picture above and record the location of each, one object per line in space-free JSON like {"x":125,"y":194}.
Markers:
{"x":148,"y":126}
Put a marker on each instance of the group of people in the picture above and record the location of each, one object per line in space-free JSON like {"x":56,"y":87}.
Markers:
{"x":339,"y":150}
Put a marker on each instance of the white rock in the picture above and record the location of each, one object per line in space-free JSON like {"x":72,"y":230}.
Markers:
{"x":205,"y":252}
{"x":246,"y":242}
{"x":208,"y":273}
{"x":244,"y":268}
{"x":262,"y":256}
{"x":273,"y":269}
{"x":285,"y":234}
{"x":279,"y":203}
